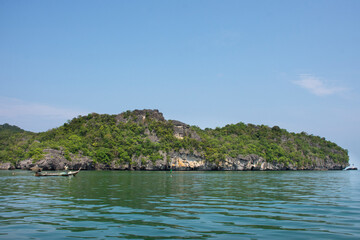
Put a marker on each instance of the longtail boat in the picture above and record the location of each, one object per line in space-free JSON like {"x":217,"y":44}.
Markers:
{"x":351,"y":168}
{"x":63,"y":174}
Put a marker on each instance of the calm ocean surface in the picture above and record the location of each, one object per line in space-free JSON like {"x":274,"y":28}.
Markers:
{"x":181,"y":205}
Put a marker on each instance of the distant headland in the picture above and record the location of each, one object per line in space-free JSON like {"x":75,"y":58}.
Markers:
{"x":145,"y":140}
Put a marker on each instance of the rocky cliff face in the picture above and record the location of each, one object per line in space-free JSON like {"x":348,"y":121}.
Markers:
{"x":140,"y":116}
{"x":182,"y":130}
{"x":55,"y":160}
{"x":6,"y":166}
{"x":177,"y":161}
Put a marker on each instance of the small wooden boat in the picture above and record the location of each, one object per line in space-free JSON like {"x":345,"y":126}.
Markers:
{"x":351,"y":168}
{"x":63,"y":174}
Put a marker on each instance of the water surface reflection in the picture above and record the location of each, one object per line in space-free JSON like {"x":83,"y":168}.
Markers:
{"x":186,"y":205}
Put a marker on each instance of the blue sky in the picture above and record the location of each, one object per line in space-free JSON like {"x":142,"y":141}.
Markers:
{"x":295,"y":64}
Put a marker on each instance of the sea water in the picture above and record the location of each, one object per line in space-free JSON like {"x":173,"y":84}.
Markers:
{"x":181,"y":205}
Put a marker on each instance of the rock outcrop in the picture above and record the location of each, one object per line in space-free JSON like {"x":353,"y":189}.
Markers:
{"x":55,"y":160}
{"x":183,"y":160}
{"x":140,"y":116}
{"x":182,"y":130}
{"x":6,"y":166}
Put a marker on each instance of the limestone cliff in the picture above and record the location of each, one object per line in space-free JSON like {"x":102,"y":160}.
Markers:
{"x":177,"y":161}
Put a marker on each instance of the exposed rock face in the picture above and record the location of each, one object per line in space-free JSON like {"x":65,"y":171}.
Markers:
{"x":55,"y":160}
{"x":182,"y":130}
{"x":151,"y":135}
{"x":6,"y":166}
{"x":178,"y":161}
{"x":184,"y":160}
{"x":25,"y":164}
{"x":139,"y":116}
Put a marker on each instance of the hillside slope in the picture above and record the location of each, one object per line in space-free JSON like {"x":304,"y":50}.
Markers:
{"x":143,"y":139}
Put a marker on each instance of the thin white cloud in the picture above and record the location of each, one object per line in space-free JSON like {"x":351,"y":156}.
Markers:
{"x":16,"y":108}
{"x":317,"y":86}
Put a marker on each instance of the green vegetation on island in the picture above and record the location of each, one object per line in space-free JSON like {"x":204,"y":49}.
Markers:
{"x":147,"y":135}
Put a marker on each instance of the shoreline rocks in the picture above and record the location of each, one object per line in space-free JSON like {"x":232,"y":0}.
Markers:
{"x":177,"y":161}
{"x":6,"y":166}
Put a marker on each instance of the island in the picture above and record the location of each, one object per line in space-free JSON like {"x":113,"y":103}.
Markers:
{"x":145,"y":140}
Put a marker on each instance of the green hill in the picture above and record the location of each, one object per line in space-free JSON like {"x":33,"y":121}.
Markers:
{"x":142,"y":136}
{"x":7,"y":129}
{"x":10,"y":142}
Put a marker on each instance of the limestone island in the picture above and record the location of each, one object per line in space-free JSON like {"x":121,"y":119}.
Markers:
{"x":145,"y":140}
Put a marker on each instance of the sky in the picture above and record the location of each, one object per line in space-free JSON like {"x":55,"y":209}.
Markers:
{"x":295,"y":64}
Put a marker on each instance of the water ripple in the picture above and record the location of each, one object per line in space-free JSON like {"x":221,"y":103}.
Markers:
{"x":184,"y":205}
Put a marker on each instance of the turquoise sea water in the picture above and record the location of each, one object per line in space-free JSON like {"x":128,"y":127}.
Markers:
{"x":181,"y":205}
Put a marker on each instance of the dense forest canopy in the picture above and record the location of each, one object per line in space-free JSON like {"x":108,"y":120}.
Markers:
{"x":146,"y":134}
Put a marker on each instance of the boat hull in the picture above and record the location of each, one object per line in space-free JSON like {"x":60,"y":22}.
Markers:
{"x":351,"y":168}
{"x":62,"y":174}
